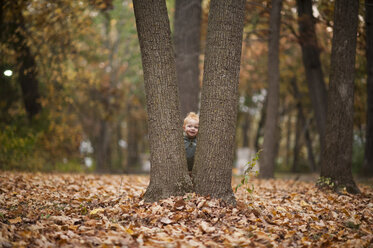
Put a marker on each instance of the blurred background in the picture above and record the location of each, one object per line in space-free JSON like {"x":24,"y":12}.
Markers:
{"x":72,"y":96}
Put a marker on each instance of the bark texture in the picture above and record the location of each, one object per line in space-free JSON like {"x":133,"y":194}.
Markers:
{"x":267,"y":162}
{"x":187,"y":46}
{"x":337,"y":155}
{"x":368,"y":156}
{"x":215,"y":150}
{"x":312,"y":65}
{"x":168,"y":175}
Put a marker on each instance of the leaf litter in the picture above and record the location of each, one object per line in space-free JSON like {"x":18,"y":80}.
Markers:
{"x":48,"y":210}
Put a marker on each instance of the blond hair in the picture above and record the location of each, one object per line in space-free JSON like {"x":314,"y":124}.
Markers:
{"x":191,"y":116}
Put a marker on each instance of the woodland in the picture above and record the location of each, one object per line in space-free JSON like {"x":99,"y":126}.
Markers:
{"x":92,"y":98}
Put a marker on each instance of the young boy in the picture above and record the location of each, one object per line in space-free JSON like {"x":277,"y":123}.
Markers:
{"x":191,"y":124}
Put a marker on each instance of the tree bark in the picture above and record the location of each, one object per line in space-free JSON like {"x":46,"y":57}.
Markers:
{"x":367,"y":168}
{"x":312,"y":65}
{"x":169,"y":174}
{"x":187,"y":47}
{"x":212,"y":171}
{"x":267,"y":162}
{"x":337,"y":155}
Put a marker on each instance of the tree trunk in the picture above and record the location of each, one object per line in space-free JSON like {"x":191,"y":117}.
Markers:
{"x":259,"y":131}
{"x":169,"y":174}
{"x":212,"y":171}
{"x":187,"y":46}
{"x":312,"y":65}
{"x":267,"y":162}
{"x":303,"y":123}
{"x":296,"y":148}
{"x":13,"y":33}
{"x":245,"y":129}
{"x":368,"y":155}
{"x":337,"y":155}
{"x":27,"y":77}
{"x":288,"y":137}
{"x":102,"y":148}
{"x":133,"y":158}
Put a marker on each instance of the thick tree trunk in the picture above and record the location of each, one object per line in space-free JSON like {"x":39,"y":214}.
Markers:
{"x":169,"y":174}
{"x":267,"y":162}
{"x":212,"y":171}
{"x":187,"y":46}
{"x":337,"y":155}
{"x":368,"y":155}
{"x":312,"y":65}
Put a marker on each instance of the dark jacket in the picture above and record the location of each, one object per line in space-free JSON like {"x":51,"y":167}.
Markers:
{"x":190,"y":148}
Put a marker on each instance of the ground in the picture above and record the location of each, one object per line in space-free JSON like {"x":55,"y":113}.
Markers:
{"x":39,"y":210}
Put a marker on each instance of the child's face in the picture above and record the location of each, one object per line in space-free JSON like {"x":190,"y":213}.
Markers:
{"x":191,"y":128}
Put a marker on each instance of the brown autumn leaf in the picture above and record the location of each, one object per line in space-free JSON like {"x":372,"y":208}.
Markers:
{"x":90,"y":210}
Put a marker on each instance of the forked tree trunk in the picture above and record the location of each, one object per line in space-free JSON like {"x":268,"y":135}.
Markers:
{"x":267,"y":161}
{"x":212,"y":172}
{"x":337,"y":155}
{"x":312,"y":65}
{"x":169,"y":174}
{"x":368,"y":155}
{"x":187,"y":46}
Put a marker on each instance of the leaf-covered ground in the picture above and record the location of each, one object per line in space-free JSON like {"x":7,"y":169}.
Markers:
{"x":105,"y":211}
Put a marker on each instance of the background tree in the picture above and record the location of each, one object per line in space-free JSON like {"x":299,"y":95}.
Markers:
{"x":168,"y":175}
{"x":187,"y":30}
{"x":337,"y":155}
{"x":14,"y":33}
{"x":312,"y":64}
{"x":212,"y":171}
{"x":267,"y":163}
{"x":367,"y":169}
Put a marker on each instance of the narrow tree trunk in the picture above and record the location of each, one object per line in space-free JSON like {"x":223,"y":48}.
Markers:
{"x":245,"y":129}
{"x":187,"y":46}
{"x":133,"y":158}
{"x":312,"y":65}
{"x":337,"y":155}
{"x":368,"y":155}
{"x":296,"y":148}
{"x":259,"y":131}
{"x":219,"y":102}
{"x":303,"y":123}
{"x":169,"y":174}
{"x":311,"y":157}
{"x":267,"y":162}
{"x":103,"y":148}
{"x":288,"y":137}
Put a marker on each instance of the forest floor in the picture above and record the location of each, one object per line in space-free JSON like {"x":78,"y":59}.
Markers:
{"x":48,"y":210}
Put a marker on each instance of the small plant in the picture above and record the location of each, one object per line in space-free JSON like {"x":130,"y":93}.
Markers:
{"x":249,"y":171}
{"x":325,"y":182}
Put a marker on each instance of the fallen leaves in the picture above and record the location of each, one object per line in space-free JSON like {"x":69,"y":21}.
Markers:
{"x":90,"y":210}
